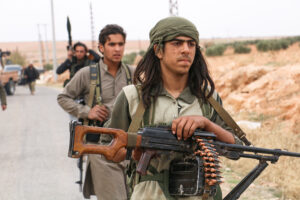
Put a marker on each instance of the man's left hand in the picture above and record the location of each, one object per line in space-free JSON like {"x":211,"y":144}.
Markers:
{"x":185,"y":126}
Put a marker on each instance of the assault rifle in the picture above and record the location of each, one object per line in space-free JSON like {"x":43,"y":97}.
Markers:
{"x":80,"y":160}
{"x":202,"y":145}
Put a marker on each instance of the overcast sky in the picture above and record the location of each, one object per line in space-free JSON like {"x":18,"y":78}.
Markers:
{"x":213,"y":18}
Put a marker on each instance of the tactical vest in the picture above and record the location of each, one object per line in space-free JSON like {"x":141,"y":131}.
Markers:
{"x":144,"y":116}
{"x":73,"y":69}
{"x":95,"y":87}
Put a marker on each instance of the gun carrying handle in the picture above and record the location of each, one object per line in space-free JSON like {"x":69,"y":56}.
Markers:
{"x":109,"y":151}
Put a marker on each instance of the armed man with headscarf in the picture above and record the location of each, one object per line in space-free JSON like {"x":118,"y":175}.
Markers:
{"x":172,"y":87}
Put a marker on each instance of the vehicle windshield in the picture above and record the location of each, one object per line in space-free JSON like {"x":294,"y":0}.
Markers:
{"x":12,"y":68}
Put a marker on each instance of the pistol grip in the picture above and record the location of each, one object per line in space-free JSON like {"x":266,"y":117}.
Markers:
{"x":144,"y":161}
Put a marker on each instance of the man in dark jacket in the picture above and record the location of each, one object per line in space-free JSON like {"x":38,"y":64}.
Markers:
{"x":77,"y":59}
{"x":31,"y":74}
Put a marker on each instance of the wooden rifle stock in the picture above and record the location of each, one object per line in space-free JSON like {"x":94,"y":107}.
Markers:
{"x":78,"y":147}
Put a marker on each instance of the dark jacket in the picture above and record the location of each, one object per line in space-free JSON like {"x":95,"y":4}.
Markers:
{"x":31,"y":74}
{"x":75,"y":66}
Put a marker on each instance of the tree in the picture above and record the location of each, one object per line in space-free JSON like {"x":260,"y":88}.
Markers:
{"x":17,"y":58}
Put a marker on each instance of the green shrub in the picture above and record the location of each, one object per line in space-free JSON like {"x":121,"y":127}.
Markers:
{"x":142,"y":52}
{"x":293,"y":39}
{"x":129,"y":58}
{"x":282,"y":44}
{"x":273,"y":45}
{"x":48,"y":67}
{"x":241,"y":48}
{"x":17,"y":58}
{"x":216,"y":50}
{"x":263,"y":45}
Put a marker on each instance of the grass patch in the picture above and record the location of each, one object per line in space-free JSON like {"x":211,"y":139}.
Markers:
{"x":258,"y":117}
{"x":275,"y":64}
{"x":275,"y":192}
{"x":284,"y":175}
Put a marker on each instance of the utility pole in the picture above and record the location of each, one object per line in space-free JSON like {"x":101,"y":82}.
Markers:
{"x":92,"y":27}
{"x":53,"y":43}
{"x":41,"y":47}
{"x":173,"y":7}
{"x":46,"y":44}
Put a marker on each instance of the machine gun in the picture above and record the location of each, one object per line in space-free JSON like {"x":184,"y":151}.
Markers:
{"x":202,"y":145}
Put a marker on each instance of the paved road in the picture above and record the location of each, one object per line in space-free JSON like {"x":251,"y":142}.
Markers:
{"x":34,"y":141}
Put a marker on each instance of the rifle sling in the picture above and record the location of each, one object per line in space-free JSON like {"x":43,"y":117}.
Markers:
{"x":228,"y":120}
{"x":95,"y":85}
{"x":138,"y":116}
{"x":136,"y":121}
{"x":93,"y":88}
{"x":128,"y":74}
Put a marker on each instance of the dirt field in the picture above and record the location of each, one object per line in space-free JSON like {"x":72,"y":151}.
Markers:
{"x":264,"y":88}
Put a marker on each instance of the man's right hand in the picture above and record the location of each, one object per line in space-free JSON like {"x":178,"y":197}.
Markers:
{"x":3,"y":107}
{"x":99,"y":113}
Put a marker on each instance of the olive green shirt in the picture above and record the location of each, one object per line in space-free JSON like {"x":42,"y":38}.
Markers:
{"x":2,"y":95}
{"x":79,"y":87}
{"x":121,"y":116}
{"x":165,"y":109}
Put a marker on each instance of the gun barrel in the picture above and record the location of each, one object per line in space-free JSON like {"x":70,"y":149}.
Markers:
{"x":236,"y":147}
{"x":69,"y":33}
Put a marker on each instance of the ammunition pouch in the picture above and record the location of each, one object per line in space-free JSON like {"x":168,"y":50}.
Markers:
{"x":186,"y":177}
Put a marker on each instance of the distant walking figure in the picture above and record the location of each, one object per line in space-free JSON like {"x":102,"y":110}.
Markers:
{"x":31,"y":74}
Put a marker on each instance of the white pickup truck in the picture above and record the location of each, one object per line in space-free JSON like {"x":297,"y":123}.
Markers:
{"x":9,"y":77}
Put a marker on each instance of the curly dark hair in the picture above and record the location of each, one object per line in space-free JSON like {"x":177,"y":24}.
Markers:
{"x":110,"y":29}
{"x":148,"y":74}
